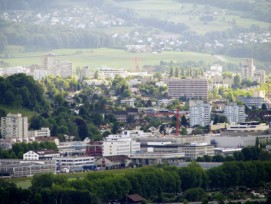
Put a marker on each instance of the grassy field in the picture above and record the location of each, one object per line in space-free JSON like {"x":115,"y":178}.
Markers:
{"x":190,"y":15}
{"x":95,"y":58}
{"x":13,"y":110}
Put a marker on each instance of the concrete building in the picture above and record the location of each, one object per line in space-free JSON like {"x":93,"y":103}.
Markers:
{"x":113,"y":145}
{"x":215,"y":70}
{"x":40,"y":155}
{"x":120,"y":145}
{"x":235,"y":113}
{"x":14,"y":126}
{"x":233,"y":141}
{"x":66,"y":69}
{"x":251,"y":101}
{"x":195,"y":150}
{"x":189,"y":88}
{"x":129,"y":102}
{"x":112,"y":72}
{"x":49,"y":62}
{"x":113,"y":162}
{"x":22,"y":168}
{"x":247,"y":69}
{"x":39,"y":74}
{"x":200,"y":114}
{"x":259,"y":76}
{"x":43,"y":132}
{"x":74,"y":163}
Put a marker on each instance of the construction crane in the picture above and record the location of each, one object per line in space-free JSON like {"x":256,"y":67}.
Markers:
{"x":177,"y":115}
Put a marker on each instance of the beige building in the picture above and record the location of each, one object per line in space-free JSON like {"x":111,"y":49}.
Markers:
{"x":14,"y":126}
{"x":247,"y":69}
{"x":194,"y":151}
{"x":190,"y":88}
{"x":49,"y":61}
{"x":66,"y":69}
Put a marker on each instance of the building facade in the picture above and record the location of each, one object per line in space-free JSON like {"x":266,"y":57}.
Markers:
{"x":43,"y":132}
{"x":200,"y":114}
{"x":235,"y":113}
{"x":189,"y":88}
{"x":14,"y":126}
{"x":247,"y":69}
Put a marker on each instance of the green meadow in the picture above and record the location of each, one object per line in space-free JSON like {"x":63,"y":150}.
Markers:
{"x":190,"y":15}
{"x":95,"y":58}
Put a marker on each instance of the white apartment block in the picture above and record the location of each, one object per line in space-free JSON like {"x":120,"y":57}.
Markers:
{"x":200,"y":114}
{"x":112,"y":72}
{"x":215,"y":70}
{"x":247,"y":69}
{"x":120,"y":145}
{"x":190,"y":88}
{"x":235,"y":113}
{"x":112,"y":148}
{"x":66,"y":69}
{"x":129,"y":102}
{"x":43,"y":132}
{"x":14,"y":126}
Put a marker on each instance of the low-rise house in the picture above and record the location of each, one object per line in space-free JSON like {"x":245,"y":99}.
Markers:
{"x":41,"y":155}
{"x":114,"y":162}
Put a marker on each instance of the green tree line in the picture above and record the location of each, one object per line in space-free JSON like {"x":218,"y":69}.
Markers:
{"x":18,"y":149}
{"x":157,"y":184}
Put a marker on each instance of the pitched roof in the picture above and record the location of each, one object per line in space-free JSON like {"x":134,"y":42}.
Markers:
{"x":136,"y":197}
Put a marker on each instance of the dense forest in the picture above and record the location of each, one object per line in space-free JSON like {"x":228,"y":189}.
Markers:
{"x":156,"y":184}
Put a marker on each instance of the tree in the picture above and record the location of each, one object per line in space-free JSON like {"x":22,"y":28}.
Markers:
{"x":236,"y":81}
{"x":177,"y":72}
{"x":171,"y":72}
{"x":184,"y":131}
{"x":264,"y":106}
{"x":184,"y":121}
{"x":194,"y":194}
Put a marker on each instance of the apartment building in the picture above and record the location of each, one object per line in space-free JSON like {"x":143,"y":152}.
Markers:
{"x":113,"y":145}
{"x":14,"y":126}
{"x":200,"y":114}
{"x":189,"y":88}
{"x":66,"y":69}
{"x":235,"y":113}
{"x":251,"y":101}
{"x":49,"y":61}
{"x":259,"y":76}
{"x":43,"y":132}
{"x":247,"y":69}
